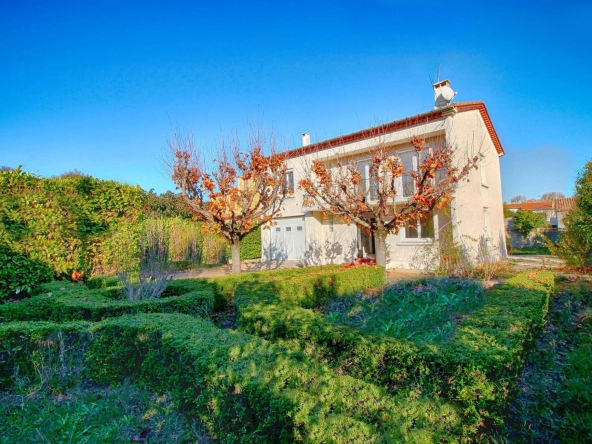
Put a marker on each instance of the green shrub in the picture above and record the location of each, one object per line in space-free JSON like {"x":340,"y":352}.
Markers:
{"x":63,"y":222}
{"x":475,"y":366}
{"x":243,"y":388}
{"x":526,"y":221}
{"x":18,"y":273}
{"x":250,"y":246}
{"x":64,"y":301}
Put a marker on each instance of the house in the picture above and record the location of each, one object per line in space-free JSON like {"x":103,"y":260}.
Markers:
{"x":305,"y":233}
{"x":562,"y":206}
{"x":554,"y":211}
{"x":541,"y":207}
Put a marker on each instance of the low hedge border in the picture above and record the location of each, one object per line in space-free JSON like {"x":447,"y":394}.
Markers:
{"x":475,"y":367}
{"x":244,"y":388}
{"x":71,"y":302}
{"x":306,"y":287}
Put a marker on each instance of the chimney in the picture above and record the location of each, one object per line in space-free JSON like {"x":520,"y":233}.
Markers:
{"x":443,"y":94}
{"x":305,"y":139}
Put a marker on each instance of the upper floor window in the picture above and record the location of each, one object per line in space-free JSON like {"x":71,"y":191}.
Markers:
{"x":369,"y":185}
{"x":483,"y":170}
{"x":288,"y":186}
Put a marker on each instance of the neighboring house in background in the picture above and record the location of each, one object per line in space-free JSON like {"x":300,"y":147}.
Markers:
{"x":306,"y":234}
{"x":562,"y":206}
{"x":554,"y":211}
{"x":544,"y":208}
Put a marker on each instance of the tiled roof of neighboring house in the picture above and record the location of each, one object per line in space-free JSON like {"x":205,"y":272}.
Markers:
{"x":565,"y":204}
{"x":531,"y":206}
{"x":407,"y":122}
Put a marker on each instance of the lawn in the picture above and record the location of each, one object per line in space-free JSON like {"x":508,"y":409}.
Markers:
{"x":316,"y":355}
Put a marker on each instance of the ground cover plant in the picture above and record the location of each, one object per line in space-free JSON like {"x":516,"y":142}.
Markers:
{"x":91,"y":413}
{"x":554,"y":402}
{"x":63,"y":301}
{"x":527,"y":251}
{"x":55,"y":401}
{"x":474,"y":366}
{"x":422,"y":309}
{"x":292,"y":371}
{"x":243,"y":388}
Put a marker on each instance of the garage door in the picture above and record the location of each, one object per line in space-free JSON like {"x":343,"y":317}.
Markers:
{"x":287,"y":239}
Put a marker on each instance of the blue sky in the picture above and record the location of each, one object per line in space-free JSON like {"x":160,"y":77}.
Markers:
{"x":95,"y":85}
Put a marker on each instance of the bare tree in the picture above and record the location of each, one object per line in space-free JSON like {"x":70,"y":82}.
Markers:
{"x":243,"y":189}
{"x":551,"y":196}
{"x":518,"y":199}
{"x":394,"y":193}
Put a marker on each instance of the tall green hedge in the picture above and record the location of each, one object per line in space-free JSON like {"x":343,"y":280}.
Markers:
{"x":250,"y":246}
{"x":63,"y":222}
{"x":19,"y":273}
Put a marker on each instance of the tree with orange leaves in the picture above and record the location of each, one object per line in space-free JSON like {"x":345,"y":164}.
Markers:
{"x":377,"y":202}
{"x":238,"y":192}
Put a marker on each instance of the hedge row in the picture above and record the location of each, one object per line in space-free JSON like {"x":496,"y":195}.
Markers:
{"x":244,"y":388}
{"x":64,"y":301}
{"x":474,"y":367}
{"x":307,"y":287}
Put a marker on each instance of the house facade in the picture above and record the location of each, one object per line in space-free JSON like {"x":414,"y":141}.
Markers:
{"x":306,"y":233}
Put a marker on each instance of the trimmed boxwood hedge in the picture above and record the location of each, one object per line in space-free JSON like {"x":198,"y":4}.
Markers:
{"x":244,"y":388}
{"x":307,"y":287}
{"x":475,"y":367}
{"x":64,"y":301}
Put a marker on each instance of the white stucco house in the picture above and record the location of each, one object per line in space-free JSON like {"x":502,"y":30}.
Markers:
{"x":303,"y":233}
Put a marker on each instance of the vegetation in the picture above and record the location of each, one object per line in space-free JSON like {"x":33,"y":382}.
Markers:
{"x":64,"y":301}
{"x":554,"y":401}
{"x":527,"y":251}
{"x":575,"y":244}
{"x":527,"y":221}
{"x":91,"y":413}
{"x":475,"y":364}
{"x":62,"y":224}
{"x":424,"y":310}
{"x":18,"y":273}
{"x":317,"y":355}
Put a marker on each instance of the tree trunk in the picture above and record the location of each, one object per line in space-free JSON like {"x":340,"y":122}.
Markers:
{"x":380,"y":246}
{"x":236,"y":263}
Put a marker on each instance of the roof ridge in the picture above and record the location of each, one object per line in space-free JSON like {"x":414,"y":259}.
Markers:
{"x":405,"y":122}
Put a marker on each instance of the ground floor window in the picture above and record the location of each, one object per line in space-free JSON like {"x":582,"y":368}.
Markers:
{"x":420,"y":229}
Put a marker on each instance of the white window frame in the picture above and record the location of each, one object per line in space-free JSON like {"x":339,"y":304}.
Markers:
{"x":419,"y":239}
{"x":483,"y":171}
{"x":288,"y":184}
{"x":366,"y":179}
{"x":414,"y":168}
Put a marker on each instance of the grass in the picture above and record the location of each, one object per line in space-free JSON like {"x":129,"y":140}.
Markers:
{"x":427,"y":309}
{"x":528,"y":251}
{"x":554,"y":403}
{"x":89,"y":413}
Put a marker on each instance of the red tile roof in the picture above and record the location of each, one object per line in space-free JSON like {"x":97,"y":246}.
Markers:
{"x":565,"y":204}
{"x":407,"y":122}
{"x":531,"y":206}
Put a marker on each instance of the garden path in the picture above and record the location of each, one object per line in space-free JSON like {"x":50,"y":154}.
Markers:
{"x":536,"y":261}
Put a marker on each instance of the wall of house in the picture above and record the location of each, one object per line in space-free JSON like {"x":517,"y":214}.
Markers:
{"x":468,"y":132}
{"x":470,"y":219}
